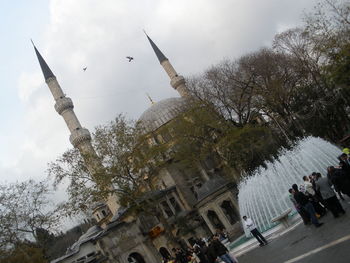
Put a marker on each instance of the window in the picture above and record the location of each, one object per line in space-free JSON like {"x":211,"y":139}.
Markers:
{"x":194,"y":192}
{"x":104,"y":213}
{"x":166,"y":135}
{"x":175,"y":205}
{"x":209,"y":163}
{"x":167,"y":209}
{"x":151,"y":141}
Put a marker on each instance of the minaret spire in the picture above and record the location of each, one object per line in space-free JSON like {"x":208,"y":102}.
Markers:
{"x":44,"y":67}
{"x":156,"y":50}
{"x":79,"y":137}
{"x":176,"y":81}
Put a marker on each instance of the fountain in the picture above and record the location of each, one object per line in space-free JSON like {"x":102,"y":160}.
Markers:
{"x":264,"y":194}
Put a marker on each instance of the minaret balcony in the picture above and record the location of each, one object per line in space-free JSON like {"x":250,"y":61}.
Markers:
{"x":79,"y":136}
{"x":63,"y":103}
{"x":177,"y":81}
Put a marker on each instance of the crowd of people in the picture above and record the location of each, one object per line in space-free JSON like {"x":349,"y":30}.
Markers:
{"x":312,"y":200}
{"x":203,"y":251}
{"x":318,"y":194}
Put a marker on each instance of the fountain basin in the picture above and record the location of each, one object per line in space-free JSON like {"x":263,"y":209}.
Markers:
{"x":282,"y":218}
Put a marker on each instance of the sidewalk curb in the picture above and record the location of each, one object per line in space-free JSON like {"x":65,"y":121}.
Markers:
{"x":242,"y":249}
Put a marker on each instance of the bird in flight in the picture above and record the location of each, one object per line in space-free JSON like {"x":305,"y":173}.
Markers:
{"x":85,"y":68}
{"x":129,"y":58}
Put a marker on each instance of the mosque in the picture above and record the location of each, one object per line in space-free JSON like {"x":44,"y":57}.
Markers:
{"x":203,"y":198}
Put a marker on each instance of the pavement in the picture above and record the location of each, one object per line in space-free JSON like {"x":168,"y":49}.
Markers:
{"x":307,"y":244}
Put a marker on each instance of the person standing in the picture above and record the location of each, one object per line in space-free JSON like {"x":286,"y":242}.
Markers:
{"x":303,"y":201}
{"x":220,"y":250}
{"x":211,"y":252}
{"x":345,"y":163}
{"x":331,"y":200}
{"x":180,"y":256}
{"x":249,"y":224}
{"x":339,"y":179}
{"x":311,"y":193}
{"x":303,"y":214}
{"x":201,"y":252}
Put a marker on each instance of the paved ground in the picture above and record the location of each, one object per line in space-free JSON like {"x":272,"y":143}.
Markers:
{"x":307,"y":244}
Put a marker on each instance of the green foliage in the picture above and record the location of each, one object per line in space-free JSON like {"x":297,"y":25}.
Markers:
{"x":26,"y":217}
{"x":247,"y":148}
{"x":23,"y":253}
{"x":243,"y":111}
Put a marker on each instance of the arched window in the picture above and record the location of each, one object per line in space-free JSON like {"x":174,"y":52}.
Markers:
{"x":167,"y":209}
{"x":214,"y":220}
{"x":104,"y":213}
{"x":136,"y":258}
{"x":165,"y":253}
{"x":229,"y":211}
{"x":175,"y":204}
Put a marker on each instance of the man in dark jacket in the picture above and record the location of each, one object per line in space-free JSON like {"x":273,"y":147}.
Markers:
{"x":217,"y":249}
{"x":339,"y":179}
{"x":201,"y":250}
{"x":211,"y":252}
{"x":345,"y":163}
{"x":180,"y":256}
{"x":303,"y":201}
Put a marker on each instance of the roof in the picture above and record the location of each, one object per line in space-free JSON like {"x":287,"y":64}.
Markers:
{"x":120,"y":212}
{"x":211,"y":186}
{"x":89,"y":235}
{"x":161,"y":112}
{"x":156,"y":193}
{"x":97,"y":205}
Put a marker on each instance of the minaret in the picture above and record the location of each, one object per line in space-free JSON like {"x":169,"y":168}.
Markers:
{"x":176,"y":81}
{"x":80,"y":137}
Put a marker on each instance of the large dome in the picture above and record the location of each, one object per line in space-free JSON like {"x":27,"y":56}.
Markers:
{"x":160,"y":113}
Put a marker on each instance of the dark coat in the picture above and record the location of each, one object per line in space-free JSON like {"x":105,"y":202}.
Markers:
{"x":341,"y":181}
{"x":202,"y":254}
{"x":301,"y":198}
{"x":220,"y":248}
{"x":211,"y":253}
{"x":181,"y":257}
{"x":345,"y":166}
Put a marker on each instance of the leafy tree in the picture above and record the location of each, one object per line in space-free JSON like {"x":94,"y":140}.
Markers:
{"x":112,"y":143}
{"x":244,"y":110}
{"x":24,"y":209}
{"x":24,"y":252}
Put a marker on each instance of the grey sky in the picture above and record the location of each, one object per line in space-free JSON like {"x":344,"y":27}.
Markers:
{"x":193,"y":34}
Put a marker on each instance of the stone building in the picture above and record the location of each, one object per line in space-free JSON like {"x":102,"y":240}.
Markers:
{"x":192,"y":203}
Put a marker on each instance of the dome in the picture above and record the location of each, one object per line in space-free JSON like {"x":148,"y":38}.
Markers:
{"x":93,"y":230}
{"x":211,"y":187}
{"x":97,"y":205}
{"x":160,"y":113}
{"x":89,"y":233}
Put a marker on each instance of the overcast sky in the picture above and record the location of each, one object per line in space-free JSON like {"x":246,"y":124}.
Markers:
{"x":99,"y":34}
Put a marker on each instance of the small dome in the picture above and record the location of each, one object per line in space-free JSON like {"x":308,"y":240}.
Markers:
{"x":89,"y":233}
{"x":160,"y":113}
{"x":92,"y":230}
{"x":211,"y":187}
{"x":97,"y":205}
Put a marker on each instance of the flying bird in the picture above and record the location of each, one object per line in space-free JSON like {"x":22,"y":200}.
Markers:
{"x":129,"y":58}
{"x":85,"y":68}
